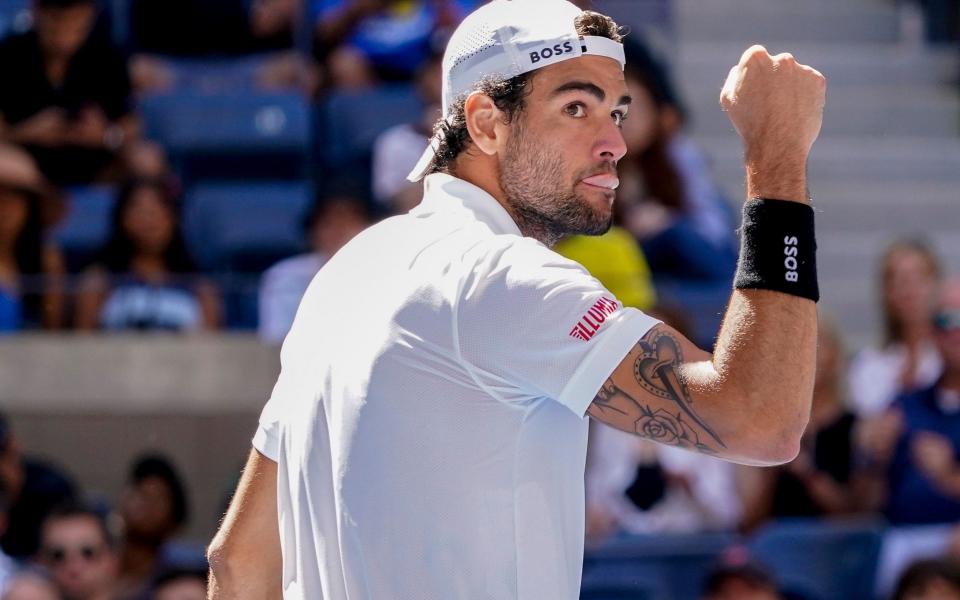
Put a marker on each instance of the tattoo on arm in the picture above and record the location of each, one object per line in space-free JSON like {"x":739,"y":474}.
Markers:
{"x":656,"y":370}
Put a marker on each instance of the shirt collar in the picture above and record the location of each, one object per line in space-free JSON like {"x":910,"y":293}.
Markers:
{"x":443,"y":193}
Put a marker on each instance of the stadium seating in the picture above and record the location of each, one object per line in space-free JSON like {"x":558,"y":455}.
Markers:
{"x":236,"y":134}
{"x":245,"y":226}
{"x":14,"y":15}
{"x":823,"y":559}
{"x":235,"y":230}
{"x":659,"y":565}
{"x":86,"y":225}
{"x":350,"y":122}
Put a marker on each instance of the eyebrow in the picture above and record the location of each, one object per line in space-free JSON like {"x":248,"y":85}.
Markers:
{"x":590,"y":88}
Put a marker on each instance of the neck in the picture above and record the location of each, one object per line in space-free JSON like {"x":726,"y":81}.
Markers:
{"x":148,"y":265}
{"x":486,"y":177}
{"x":950,"y":380}
{"x":138,"y":557}
{"x":914,"y":334}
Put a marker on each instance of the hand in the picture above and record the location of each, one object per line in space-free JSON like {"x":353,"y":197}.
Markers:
{"x":933,"y":454}
{"x":45,"y":128}
{"x":776,"y":105}
{"x":90,"y":128}
{"x":878,"y":437}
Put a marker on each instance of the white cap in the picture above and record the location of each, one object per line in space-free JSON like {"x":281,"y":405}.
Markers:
{"x":507,"y":38}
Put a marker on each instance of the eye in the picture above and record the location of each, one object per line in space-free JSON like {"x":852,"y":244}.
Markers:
{"x":576,"y":110}
{"x":619,"y":117}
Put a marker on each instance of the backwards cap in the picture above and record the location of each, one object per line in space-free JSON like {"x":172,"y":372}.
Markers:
{"x":506,"y":38}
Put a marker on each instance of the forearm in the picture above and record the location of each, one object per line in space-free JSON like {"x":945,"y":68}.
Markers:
{"x":766,"y":351}
{"x":763,"y":368}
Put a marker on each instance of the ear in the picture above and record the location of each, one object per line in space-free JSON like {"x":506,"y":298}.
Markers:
{"x":483,"y":116}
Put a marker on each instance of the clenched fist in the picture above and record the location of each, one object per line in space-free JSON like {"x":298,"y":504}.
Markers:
{"x":776,"y":105}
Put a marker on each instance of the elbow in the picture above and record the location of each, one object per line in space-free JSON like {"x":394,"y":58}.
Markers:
{"x":219,"y":560}
{"x":778,"y":439}
{"x":785,"y":443}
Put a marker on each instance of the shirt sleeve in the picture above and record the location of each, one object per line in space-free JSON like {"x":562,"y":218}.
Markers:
{"x":289,"y":391}
{"x":531,"y":324}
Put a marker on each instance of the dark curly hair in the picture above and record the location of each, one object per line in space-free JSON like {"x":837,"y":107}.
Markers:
{"x":507,"y":94}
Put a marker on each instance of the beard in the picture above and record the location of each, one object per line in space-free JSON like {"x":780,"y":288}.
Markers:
{"x":535,"y":184}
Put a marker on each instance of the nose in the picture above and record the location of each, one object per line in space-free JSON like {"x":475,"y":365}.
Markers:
{"x":610,"y":145}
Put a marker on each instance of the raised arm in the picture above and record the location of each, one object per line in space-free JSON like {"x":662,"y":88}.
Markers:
{"x":750,"y":401}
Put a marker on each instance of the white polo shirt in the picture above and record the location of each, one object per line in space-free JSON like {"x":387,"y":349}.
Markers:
{"x":428,"y":422}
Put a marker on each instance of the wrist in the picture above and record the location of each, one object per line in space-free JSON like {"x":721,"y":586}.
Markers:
{"x":783,"y":177}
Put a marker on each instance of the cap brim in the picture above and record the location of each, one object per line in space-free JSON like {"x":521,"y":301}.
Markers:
{"x":423,"y":165}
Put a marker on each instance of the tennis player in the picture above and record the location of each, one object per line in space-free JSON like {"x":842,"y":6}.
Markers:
{"x":426,"y":437}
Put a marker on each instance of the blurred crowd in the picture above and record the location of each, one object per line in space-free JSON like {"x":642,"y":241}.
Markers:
{"x":884,"y":435}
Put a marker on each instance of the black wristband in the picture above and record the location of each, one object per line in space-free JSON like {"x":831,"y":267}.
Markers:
{"x":778,"y":248}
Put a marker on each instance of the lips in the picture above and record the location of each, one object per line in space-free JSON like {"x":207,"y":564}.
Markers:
{"x":609,"y":182}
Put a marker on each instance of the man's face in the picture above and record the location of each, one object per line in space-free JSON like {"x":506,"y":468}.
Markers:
{"x":147,"y":509}
{"x":558,"y":171}
{"x":78,"y":557}
{"x":63,"y":30}
{"x":947,"y":325}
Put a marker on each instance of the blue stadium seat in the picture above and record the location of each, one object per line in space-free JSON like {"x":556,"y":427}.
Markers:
{"x":87,"y":223}
{"x":625,"y":582}
{"x":245,"y":226}
{"x":217,"y":75}
{"x":351,"y":121}
{"x":823,"y":559}
{"x":678,"y":561}
{"x":240,"y":134}
{"x":14,"y":16}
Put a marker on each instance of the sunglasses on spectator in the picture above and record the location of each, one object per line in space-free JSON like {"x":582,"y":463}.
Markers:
{"x":57,"y":555}
{"x":947,"y":320}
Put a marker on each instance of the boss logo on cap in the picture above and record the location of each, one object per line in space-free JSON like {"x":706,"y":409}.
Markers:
{"x":549,"y":52}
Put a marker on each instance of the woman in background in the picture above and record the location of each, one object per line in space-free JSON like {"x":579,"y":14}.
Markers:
{"x":31,"y":268}
{"x":667,"y":197}
{"x":144,"y":278}
{"x":906,"y":358}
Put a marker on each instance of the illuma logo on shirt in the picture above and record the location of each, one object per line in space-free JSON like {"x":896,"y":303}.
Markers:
{"x":590,"y":323}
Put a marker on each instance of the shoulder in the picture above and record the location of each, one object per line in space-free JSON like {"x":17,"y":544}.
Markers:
{"x":517,"y":260}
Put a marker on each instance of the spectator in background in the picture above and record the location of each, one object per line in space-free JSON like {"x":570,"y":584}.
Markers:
{"x":31,"y":267}
{"x":7,"y":564}
{"x":180,"y":584}
{"x":331,"y":224}
{"x":30,"y":584}
{"x":667,"y":197}
{"x":740,"y":582}
{"x":212,"y":27}
{"x":617,"y":261}
{"x":76,"y":547}
{"x":67,"y":98}
{"x":366,"y":41}
{"x":144,"y":278}
{"x":34,"y":489}
{"x":397,"y":150}
{"x":929,"y":580}
{"x":907,"y":358}
{"x":153,"y":507}
{"x":915,"y":463}
{"x":923,"y":451}
{"x":258,"y":34}
{"x":823,"y":479}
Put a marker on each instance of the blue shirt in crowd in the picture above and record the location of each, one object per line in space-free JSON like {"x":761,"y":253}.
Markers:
{"x":913,"y":499}
{"x":399,"y":37}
